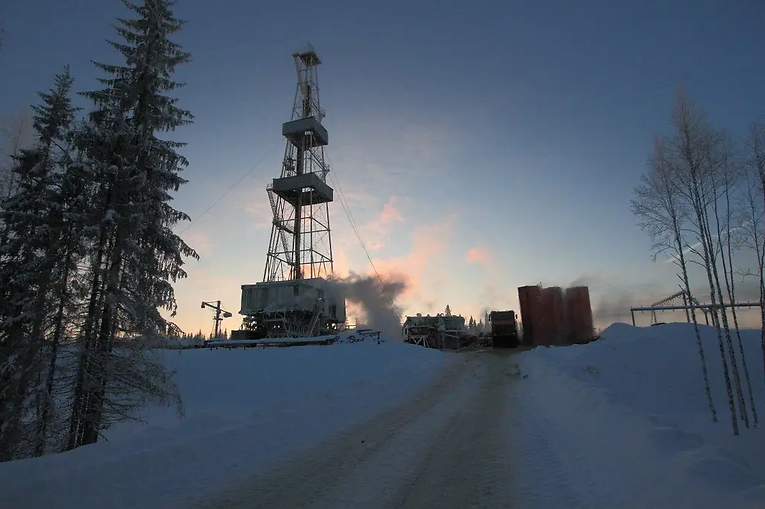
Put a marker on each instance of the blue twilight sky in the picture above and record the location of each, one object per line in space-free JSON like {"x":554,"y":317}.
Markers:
{"x":481,"y":145}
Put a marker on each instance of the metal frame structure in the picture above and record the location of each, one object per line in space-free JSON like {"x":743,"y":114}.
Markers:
{"x":301,"y":245}
{"x":220,"y":314}
{"x":707,"y":309}
{"x":295,"y":300}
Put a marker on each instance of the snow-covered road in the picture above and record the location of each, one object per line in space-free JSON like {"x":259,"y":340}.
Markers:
{"x":500,"y":430}
{"x":446,"y":447}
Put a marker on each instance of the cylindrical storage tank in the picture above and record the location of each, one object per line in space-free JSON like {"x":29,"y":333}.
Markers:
{"x":553,"y":315}
{"x":579,"y":313}
{"x":530,"y":298}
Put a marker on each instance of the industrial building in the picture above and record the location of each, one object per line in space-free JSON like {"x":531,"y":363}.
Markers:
{"x":552,"y":316}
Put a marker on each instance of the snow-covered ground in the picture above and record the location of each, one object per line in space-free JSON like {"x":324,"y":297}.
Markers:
{"x":245,"y":408}
{"x":622,"y":422}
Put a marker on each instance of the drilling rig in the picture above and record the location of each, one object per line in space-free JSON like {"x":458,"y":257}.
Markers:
{"x":296,"y":297}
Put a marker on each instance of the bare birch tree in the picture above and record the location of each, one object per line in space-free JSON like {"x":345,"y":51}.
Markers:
{"x":695,"y":155}
{"x":662,"y":214}
{"x":753,"y":211}
{"x":729,"y":177}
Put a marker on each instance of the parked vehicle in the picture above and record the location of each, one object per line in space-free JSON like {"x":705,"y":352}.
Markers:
{"x":504,"y":329}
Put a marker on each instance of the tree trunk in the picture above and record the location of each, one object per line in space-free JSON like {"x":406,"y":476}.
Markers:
{"x":58,"y":332}
{"x":731,"y":286}
{"x":699,"y":344}
{"x":94,"y":410}
{"x":743,"y":412}
{"x":38,"y":324}
{"x":697,"y":332}
{"x":84,"y":368}
{"x":698,"y":205}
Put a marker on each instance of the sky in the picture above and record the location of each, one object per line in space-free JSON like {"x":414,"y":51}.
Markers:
{"x":481,"y":145}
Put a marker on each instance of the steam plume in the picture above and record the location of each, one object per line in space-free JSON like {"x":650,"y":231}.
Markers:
{"x":377,"y":300}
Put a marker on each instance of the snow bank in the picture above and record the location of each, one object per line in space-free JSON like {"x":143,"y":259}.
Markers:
{"x":637,"y":417}
{"x":245,"y":408}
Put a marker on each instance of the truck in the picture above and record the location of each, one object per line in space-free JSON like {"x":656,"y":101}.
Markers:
{"x":504,"y":329}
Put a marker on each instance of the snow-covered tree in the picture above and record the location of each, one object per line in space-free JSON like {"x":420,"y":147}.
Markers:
{"x":136,"y":255}
{"x":29,"y":266}
{"x":16,"y":134}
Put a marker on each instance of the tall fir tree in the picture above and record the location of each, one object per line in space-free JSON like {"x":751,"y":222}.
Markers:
{"x":29,"y":265}
{"x":136,"y":256}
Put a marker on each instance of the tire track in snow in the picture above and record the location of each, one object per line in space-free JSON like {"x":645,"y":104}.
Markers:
{"x":311,"y":476}
{"x":544,"y":482}
{"x":466,"y":463}
{"x":376,"y":480}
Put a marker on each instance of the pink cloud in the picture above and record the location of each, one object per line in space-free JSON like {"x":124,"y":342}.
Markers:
{"x":417,"y":266}
{"x":260,"y":212}
{"x":478,"y":255}
{"x":377,"y":232}
{"x":198,"y":241}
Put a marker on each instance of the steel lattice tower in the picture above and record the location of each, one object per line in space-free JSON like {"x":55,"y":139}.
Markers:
{"x":301,"y":243}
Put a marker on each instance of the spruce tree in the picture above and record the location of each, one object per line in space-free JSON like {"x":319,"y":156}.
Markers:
{"x":29,"y":263}
{"x":136,"y":255}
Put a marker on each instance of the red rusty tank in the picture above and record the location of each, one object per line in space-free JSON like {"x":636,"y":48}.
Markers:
{"x":579,"y":314}
{"x":553,"y":316}
{"x":530,"y":298}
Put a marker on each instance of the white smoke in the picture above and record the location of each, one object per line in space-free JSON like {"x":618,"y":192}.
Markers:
{"x":377,"y":299}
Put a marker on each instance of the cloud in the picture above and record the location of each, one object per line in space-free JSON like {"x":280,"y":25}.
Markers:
{"x":366,"y":162}
{"x":260,"y":213}
{"x":585,"y":280}
{"x":341,"y":262}
{"x":377,"y":232}
{"x":419,"y":264}
{"x":199,"y":241}
{"x":417,"y":267}
{"x":251,"y":198}
{"x":493,"y":295}
{"x":478,"y":255}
